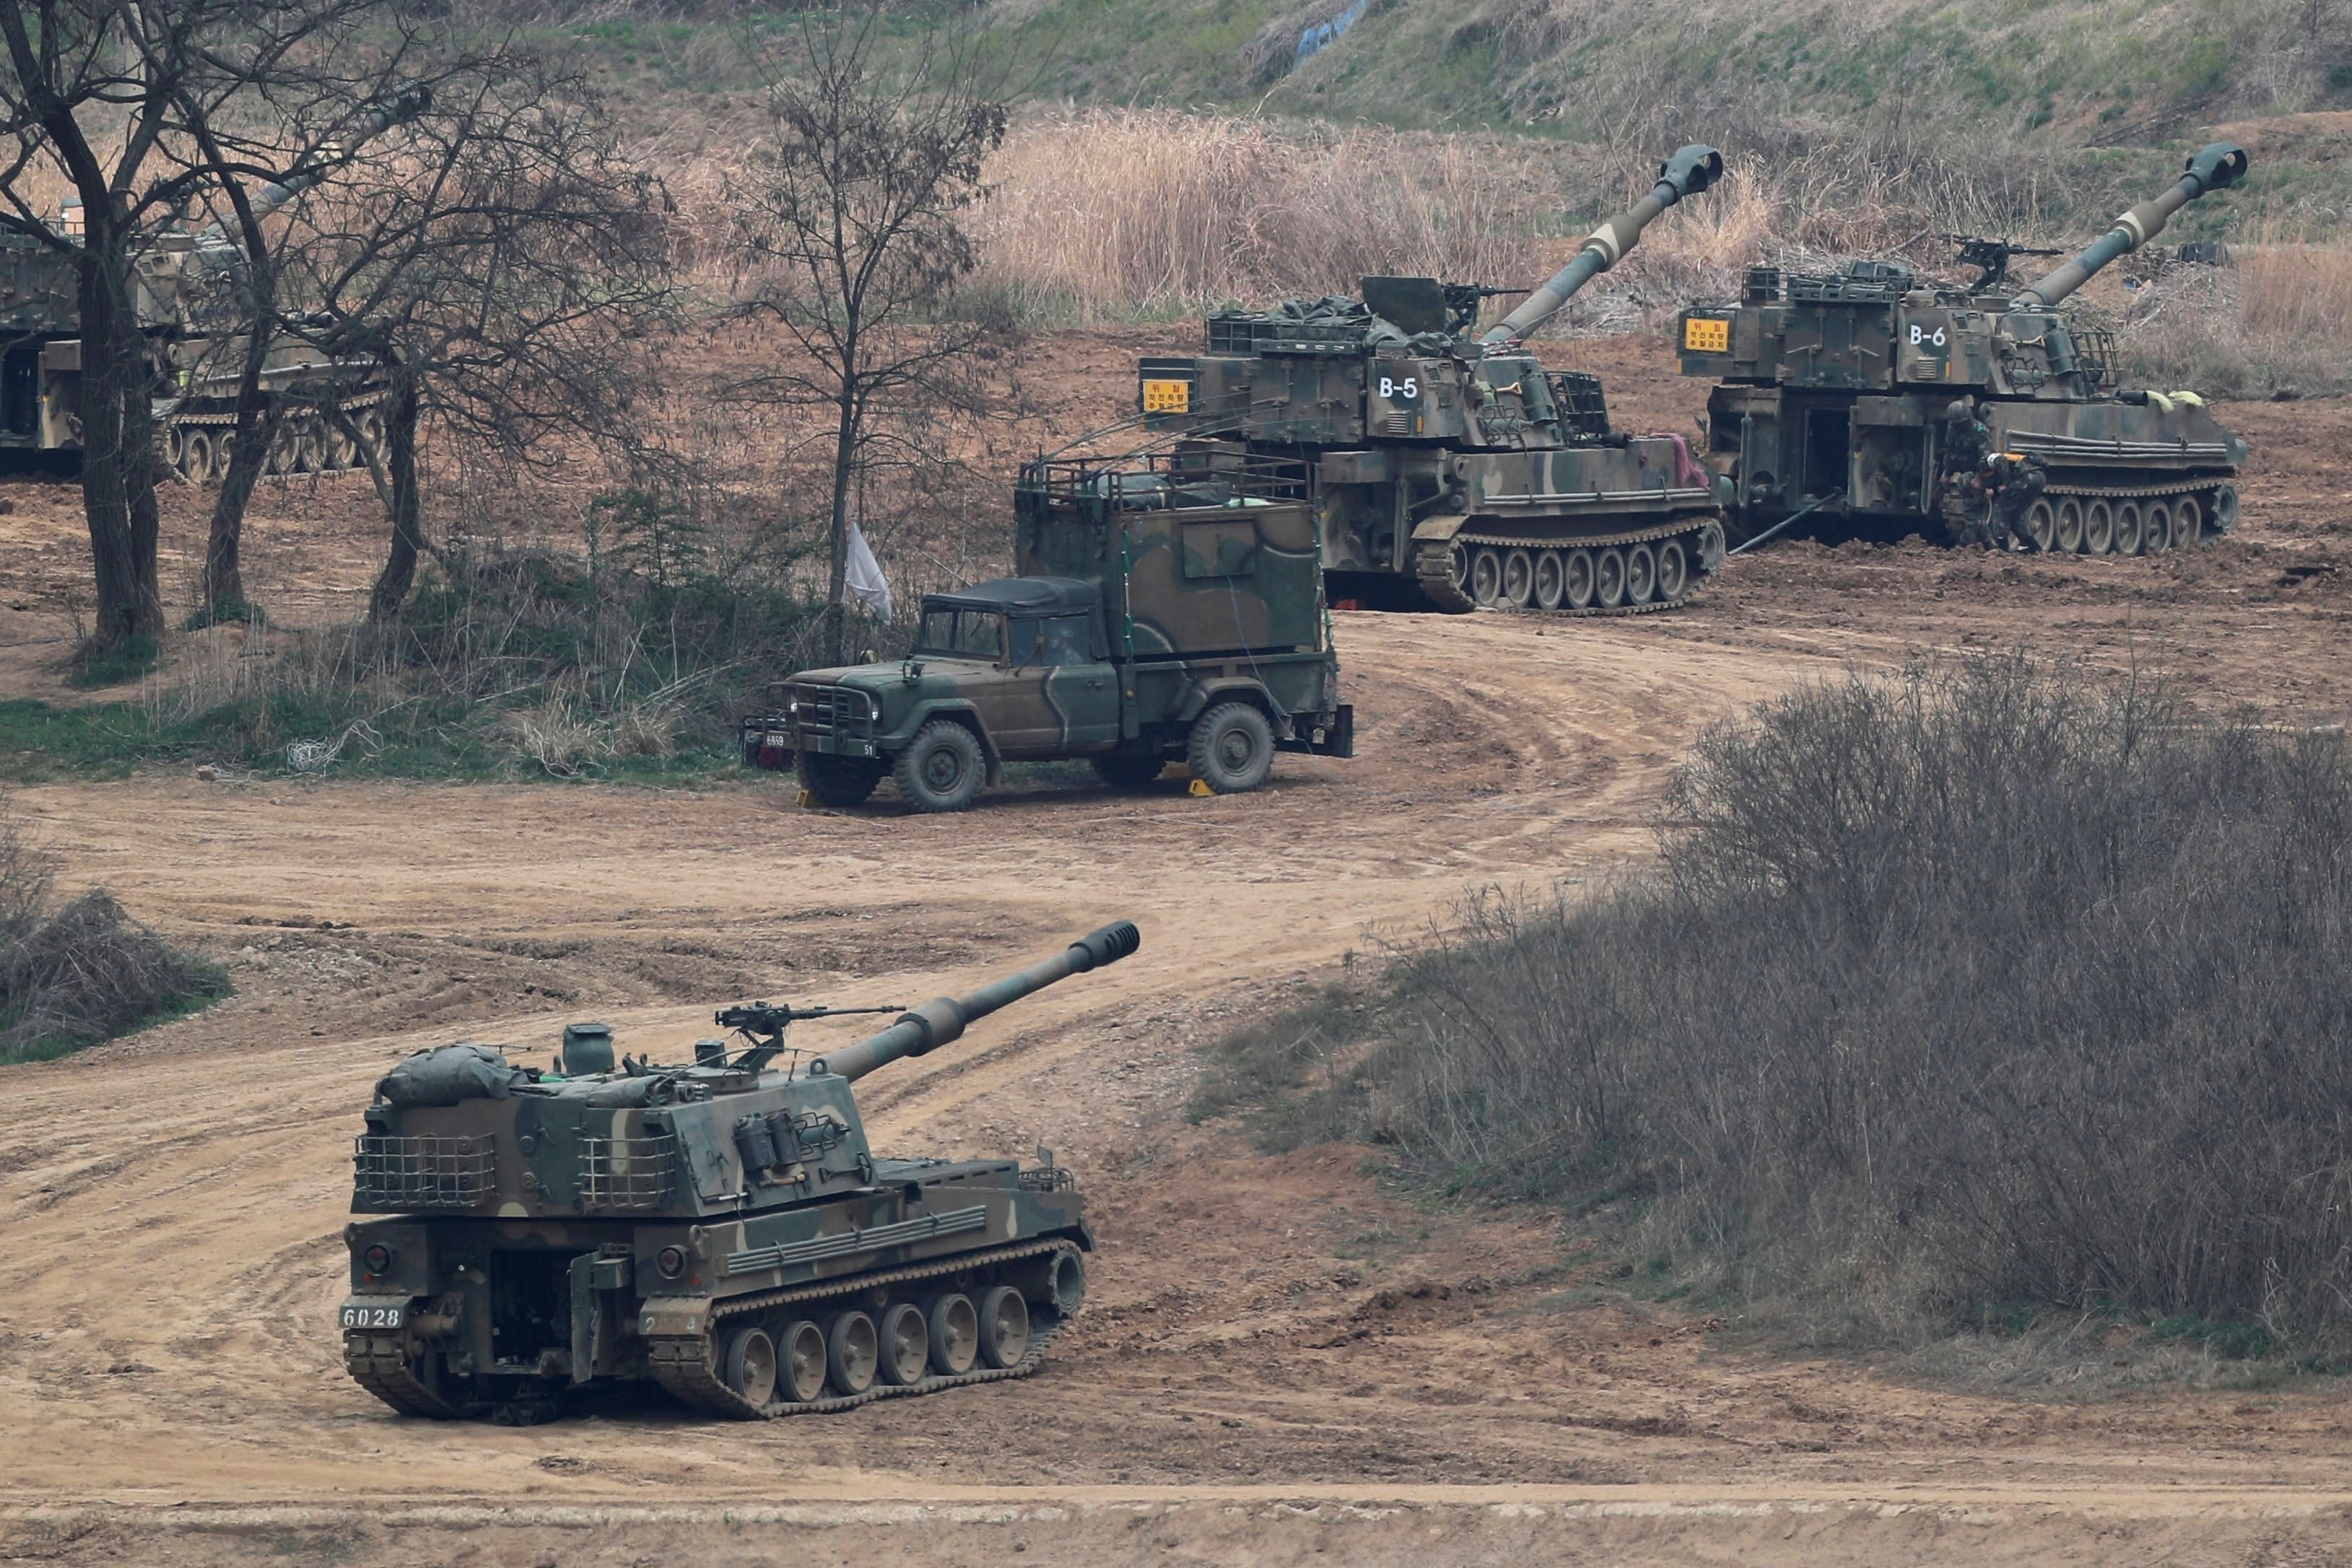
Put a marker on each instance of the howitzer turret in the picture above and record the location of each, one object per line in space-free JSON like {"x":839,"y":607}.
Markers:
{"x":722,"y":1227}
{"x":1876,"y":400}
{"x":197,"y":324}
{"x":1446,"y":468}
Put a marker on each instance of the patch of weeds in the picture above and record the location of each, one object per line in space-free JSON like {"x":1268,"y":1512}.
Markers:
{"x":228,"y":612}
{"x":119,"y":665}
{"x":1289,"y":1077}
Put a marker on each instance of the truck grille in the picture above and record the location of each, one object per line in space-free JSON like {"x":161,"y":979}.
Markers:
{"x":425,"y":1172}
{"x":620,"y":1174}
{"x":833,"y":710}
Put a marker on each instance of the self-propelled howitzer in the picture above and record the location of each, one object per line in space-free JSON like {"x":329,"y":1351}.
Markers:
{"x":1452,"y":465}
{"x":721,"y":1228}
{"x":1878,"y":400}
{"x":196,"y":319}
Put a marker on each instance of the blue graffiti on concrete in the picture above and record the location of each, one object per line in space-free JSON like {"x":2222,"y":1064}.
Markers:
{"x":1312,"y":39}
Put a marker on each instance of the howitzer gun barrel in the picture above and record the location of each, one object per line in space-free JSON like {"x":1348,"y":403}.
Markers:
{"x":2214,"y":166}
{"x":277,"y":193}
{"x":1687,"y":173}
{"x":936,"y":1023}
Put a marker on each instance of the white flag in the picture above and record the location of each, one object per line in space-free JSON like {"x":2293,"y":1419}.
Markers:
{"x":864,"y":578}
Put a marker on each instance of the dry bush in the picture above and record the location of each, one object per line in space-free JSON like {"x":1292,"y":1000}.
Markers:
{"x":1978,"y":992}
{"x":73,"y":976}
{"x":2266,"y":326}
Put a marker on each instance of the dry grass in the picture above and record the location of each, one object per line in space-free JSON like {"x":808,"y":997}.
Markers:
{"x":2269,"y":326}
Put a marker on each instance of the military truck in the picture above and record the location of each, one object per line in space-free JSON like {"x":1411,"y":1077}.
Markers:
{"x":193,"y":314}
{"x":1874,"y":400}
{"x":1453,"y":470}
{"x":720,"y":1228}
{"x":1168,"y":607}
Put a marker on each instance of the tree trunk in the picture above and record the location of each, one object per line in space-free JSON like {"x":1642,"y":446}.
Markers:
{"x":124,"y":611}
{"x":248,"y":453}
{"x":399,"y":573}
{"x":844,"y":474}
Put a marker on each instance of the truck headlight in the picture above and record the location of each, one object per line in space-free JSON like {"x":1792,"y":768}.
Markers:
{"x":377,"y":1260}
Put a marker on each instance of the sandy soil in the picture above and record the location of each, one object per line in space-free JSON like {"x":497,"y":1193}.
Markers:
{"x":1280,"y":1358}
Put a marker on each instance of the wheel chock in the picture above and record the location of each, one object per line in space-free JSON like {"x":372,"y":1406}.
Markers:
{"x":807,"y":799}
{"x":1201,"y":787}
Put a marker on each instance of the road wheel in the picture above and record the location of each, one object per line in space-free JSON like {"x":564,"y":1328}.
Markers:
{"x":1641,"y":575}
{"x":2222,"y":510}
{"x":1518,"y":579}
{"x":955,"y":1333}
{"x":310,"y":447}
{"x":1124,"y":770}
{"x":2099,"y":528}
{"x":1458,"y":569}
{"x":749,"y":1364}
{"x":282,"y":448}
{"x":1578,"y":579}
{"x":2159,"y":529}
{"x":836,"y":781}
{"x":852,"y":1352}
{"x":2068,"y":535}
{"x":800,"y":1361}
{"x":1232,"y":748}
{"x":196,"y":455}
{"x":370,"y":423}
{"x":2187,"y":523}
{"x":2041,"y":523}
{"x":1486,"y":575}
{"x":906,"y":1345}
{"x":1550,"y":580}
{"x":1004,"y":1326}
{"x":941,"y":769}
{"x":1609,"y":578}
{"x":342,"y":452}
{"x":1673,"y":571}
{"x":2131,"y":528}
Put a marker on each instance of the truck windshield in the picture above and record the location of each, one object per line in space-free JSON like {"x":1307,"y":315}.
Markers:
{"x":1054,"y":640}
{"x":962,"y":634}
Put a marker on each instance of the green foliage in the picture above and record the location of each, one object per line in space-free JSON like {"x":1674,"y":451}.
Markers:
{"x":119,"y":665}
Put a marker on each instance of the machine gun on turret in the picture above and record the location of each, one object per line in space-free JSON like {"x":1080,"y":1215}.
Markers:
{"x":1992,"y":257}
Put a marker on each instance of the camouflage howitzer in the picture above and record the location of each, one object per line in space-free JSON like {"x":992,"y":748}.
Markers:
{"x":1170,"y":608}
{"x":186,"y":291}
{"x":1874,"y":400}
{"x":1451,"y":467}
{"x":721,"y":1229}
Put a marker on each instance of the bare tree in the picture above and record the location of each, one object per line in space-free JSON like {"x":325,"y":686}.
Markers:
{"x":846,"y":230}
{"x":497,"y":263}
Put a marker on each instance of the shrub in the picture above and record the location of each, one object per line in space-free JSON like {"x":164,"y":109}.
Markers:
{"x":1982,"y":986}
{"x":86,"y":972}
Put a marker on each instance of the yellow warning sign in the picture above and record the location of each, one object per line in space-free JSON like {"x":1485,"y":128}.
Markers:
{"x":1167,"y":397}
{"x":1703,"y":336}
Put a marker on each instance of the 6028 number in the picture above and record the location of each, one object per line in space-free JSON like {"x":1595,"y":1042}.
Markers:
{"x":374,"y":1317}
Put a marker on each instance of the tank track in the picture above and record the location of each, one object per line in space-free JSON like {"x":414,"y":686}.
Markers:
{"x":2206,"y":488}
{"x":385,"y":1372}
{"x":1433,"y":571}
{"x":689,"y":1374}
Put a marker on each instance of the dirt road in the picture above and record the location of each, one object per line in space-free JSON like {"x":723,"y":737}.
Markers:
{"x":1280,"y":1358}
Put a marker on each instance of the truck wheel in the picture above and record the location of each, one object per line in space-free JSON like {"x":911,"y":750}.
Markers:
{"x":836,"y":781}
{"x":1232,"y":748}
{"x":1121,"y":770}
{"x":941,"y":770}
